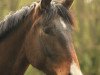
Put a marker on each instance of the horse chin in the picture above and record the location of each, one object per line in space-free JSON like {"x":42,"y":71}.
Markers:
{"x":74,"y":69}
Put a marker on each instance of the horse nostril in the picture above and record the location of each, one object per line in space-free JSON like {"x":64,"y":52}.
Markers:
{"x":70,"y":74}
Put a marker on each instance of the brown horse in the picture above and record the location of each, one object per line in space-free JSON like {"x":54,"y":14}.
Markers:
{"x":39,"y":35}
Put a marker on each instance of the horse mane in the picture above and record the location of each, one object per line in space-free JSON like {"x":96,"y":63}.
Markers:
{"x":13,"y":21}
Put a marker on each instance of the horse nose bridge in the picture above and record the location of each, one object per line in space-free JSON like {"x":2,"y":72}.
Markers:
{"x":74,"y":65}
{"x":74,"y":69}
{"x":73,"y":54}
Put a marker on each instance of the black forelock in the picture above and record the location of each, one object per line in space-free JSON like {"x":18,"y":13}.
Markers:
{"x":57,"y":9}
{"x":65,"y":14}
{"x":50,"y":28}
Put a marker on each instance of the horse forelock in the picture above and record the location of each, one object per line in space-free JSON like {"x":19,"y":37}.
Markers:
{"x":55,"y":28}
{"x":59,"y":9}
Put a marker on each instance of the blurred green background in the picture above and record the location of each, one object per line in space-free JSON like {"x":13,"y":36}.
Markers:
{"x":86,"y":39}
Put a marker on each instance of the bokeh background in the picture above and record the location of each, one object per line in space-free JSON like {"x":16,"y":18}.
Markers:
{"x":86,"y":38}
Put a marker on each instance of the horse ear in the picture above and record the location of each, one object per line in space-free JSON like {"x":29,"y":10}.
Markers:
{"x":45,"y":3}
{"x":67,"y":3}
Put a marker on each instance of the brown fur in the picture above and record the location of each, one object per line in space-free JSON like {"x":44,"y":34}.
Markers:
{"x":41,"y":42}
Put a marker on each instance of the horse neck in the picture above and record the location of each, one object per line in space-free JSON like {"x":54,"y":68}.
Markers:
{"x":12,"y":55}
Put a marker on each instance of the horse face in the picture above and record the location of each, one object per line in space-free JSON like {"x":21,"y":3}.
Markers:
{"x":51,"y":44}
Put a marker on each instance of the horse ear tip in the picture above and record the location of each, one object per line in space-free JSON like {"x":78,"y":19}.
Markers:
{"x":45,"y":0}
{"x":45,"y":3}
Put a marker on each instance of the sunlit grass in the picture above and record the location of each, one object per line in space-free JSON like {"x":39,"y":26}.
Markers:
{"x":33,"y":71}
{"x":25,"y":2}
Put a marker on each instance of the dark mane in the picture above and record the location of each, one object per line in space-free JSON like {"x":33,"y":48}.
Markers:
{"x":12,"y":21}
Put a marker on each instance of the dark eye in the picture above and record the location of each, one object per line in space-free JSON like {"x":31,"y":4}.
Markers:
{"x":48,"y":30}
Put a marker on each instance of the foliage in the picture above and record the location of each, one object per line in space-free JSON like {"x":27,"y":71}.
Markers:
{"x":87,"y":39}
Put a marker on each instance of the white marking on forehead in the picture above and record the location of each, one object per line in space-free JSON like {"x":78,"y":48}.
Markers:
{"x":75,"y":70}
{"x":63,"y":23}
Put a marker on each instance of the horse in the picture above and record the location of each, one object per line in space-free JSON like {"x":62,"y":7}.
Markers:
{"x":40,"y":35}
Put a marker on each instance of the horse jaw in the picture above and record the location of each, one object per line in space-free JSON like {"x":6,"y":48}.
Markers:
{"x":74,"y":69}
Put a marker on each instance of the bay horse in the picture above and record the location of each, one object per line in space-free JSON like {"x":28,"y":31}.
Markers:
{"x":39,"y":35}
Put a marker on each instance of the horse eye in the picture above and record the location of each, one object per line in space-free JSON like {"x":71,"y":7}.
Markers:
{"x":48,"y":30}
